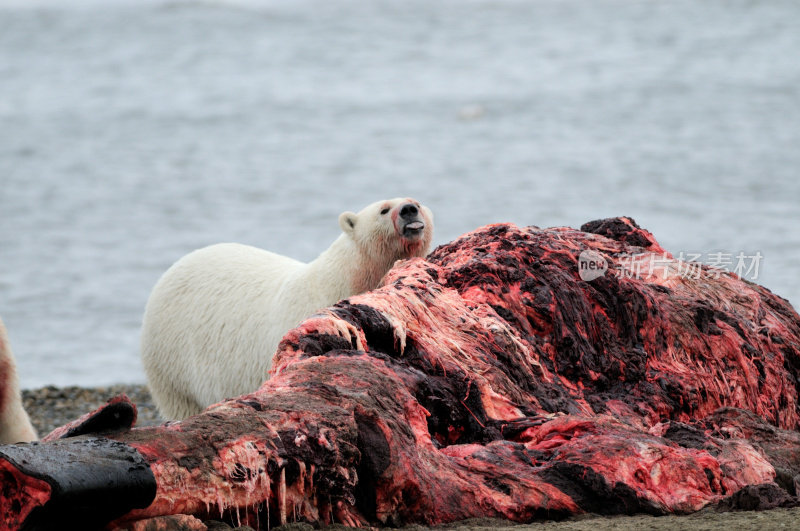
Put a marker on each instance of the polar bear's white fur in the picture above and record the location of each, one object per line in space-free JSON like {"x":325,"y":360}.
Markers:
{"x":214,"y":320}
{"x":15,"y":426}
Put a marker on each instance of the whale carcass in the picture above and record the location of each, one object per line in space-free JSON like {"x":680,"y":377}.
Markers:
{"x":490,"y":379}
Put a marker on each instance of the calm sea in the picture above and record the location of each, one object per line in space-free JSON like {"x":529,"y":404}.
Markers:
{"x":132,"y":132}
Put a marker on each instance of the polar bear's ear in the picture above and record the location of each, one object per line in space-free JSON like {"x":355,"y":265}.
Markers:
{"x":347,"y":221}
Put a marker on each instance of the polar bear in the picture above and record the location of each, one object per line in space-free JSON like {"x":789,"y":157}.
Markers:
{"x":15,"y":426}
{"x":214,"y":320}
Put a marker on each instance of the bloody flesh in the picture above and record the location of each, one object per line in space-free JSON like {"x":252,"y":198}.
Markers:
{"x":491,"y":380}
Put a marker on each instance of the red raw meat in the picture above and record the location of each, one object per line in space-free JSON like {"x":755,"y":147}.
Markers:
{"x":487,"y":380}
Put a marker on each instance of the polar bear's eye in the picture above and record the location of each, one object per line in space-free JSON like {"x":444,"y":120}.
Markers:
{"x":384,"y":211}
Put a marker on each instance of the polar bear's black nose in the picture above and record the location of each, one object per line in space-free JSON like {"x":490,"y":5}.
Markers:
{"x":409,"y":211}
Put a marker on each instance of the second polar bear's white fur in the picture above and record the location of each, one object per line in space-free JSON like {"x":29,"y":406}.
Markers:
{"x":15,"y":425}
{"x":214,"y":320}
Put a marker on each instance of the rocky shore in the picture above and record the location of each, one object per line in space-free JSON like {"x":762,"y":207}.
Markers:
{"x":50,"y":407}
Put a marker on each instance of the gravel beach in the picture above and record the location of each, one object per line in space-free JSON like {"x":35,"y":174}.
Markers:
{"x":50,"y":407}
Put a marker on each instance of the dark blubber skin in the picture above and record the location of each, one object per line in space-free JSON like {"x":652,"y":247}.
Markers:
{"x":488,"y":380}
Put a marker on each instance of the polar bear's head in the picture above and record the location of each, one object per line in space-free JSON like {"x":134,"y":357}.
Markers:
{"x":391,"y":229}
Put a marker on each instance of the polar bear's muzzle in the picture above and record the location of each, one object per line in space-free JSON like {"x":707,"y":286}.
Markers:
{"x":413,"y":230}
{"x":410,"y":222}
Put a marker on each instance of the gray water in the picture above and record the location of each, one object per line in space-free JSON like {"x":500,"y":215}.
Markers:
{"x":134,"y":132}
